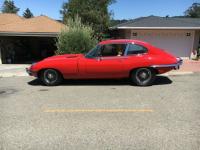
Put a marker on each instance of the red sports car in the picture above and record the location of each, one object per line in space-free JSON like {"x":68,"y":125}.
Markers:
{"x":133,"y":59}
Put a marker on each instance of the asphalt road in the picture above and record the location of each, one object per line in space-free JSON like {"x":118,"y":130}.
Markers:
{"x":103,"y":114}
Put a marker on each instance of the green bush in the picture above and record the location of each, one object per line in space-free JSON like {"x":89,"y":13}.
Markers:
{"x":75,"y":38}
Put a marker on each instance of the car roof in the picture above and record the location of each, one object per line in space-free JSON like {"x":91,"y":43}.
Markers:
{"x":122,"y":41}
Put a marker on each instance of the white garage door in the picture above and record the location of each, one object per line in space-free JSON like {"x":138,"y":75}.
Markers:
{"x":177,"y":42}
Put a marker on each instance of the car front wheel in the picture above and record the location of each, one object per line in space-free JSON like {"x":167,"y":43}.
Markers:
{"x":51,"y":77}
{"x":143,"y":76}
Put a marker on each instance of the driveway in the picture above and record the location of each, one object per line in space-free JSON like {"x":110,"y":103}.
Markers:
{"x":190,"y":65}
{"x":100,"y":114}
{"x":10,"y":70}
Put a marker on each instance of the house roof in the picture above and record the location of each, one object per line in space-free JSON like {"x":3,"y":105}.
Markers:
{"x":14,"y":25}
{"x":154,"y":22}
{"x":9,"y":18}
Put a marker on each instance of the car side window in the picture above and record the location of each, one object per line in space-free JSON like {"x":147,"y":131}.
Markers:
{"x":93,"y":53}
{"x":136,"y":49}
{"x":112,"y":50}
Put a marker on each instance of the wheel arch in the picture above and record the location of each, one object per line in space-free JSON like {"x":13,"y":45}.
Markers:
{"x":134,"y":69}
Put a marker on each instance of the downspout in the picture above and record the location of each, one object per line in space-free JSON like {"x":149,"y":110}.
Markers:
{"x":193,"y":40}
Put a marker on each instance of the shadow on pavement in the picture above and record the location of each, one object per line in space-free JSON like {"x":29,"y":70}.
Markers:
{"x":160,"y":80}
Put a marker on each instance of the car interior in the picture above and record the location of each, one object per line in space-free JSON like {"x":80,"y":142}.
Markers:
{"x":113,"y":50}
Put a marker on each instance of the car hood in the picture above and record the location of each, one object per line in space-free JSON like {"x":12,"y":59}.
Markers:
{"x":65,"y":56}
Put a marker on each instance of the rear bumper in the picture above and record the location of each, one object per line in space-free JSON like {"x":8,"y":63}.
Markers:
{"x":173,"y":66}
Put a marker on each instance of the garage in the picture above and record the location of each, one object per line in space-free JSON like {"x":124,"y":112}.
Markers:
{"x":179,"y":43}
{"x":179,"y":36}
{"x":26,"y":49}
{"x":25,"y":41}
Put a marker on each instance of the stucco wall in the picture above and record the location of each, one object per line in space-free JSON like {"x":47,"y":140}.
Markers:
{"x":122,"y":34}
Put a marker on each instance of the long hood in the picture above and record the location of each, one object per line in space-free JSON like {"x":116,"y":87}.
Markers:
{"x":65,"y":56}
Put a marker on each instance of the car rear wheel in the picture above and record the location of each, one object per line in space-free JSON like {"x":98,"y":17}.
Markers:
{"x":143,"y":76}
{"x":51,"y":77}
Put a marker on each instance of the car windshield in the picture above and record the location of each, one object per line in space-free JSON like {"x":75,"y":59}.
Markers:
{"x":92,"y":53}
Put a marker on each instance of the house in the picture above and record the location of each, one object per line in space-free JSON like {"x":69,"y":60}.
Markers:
{"x":179,"y":36}
{"x":27,"y":40}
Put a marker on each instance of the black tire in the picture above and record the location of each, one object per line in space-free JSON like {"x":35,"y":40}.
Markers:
{"x":51,"y":77}
{"x":143,"y":76}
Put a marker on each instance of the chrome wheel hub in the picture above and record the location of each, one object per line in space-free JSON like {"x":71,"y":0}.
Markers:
{"x":143,"y":75}
{"x":50,"y":76}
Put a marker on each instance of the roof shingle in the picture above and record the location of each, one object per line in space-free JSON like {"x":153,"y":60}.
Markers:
{"x":9,"y":18}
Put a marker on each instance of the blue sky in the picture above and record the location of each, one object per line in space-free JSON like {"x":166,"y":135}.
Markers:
{"x":123,"y":9}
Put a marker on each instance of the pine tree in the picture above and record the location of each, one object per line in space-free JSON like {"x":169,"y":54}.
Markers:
{"x":9,"y":7}
{"x":27,"y":13}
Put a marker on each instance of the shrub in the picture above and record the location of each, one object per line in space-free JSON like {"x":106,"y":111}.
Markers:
{"x":75,"y":38}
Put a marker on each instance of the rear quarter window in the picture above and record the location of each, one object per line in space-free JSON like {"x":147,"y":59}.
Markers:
{"x":136,"y":49}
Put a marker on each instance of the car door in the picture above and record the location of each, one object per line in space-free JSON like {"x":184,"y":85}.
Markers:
{"x":107,"y":63}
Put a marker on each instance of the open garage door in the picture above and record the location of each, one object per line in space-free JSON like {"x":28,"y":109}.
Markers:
{"x":25,"y":50}
{"x":177,"y":42}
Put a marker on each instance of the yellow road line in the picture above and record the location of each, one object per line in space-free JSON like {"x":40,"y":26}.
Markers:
{"x":96,"y":110}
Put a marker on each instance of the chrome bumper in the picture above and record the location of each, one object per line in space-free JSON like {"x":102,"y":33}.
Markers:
{"x":31,"y":73}
{"x":28,"y":71}
{"x":174,"y":66}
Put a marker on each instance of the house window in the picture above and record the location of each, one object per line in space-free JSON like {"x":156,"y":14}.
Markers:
{"x":188,"y":34}
{"x":134,"y":33}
